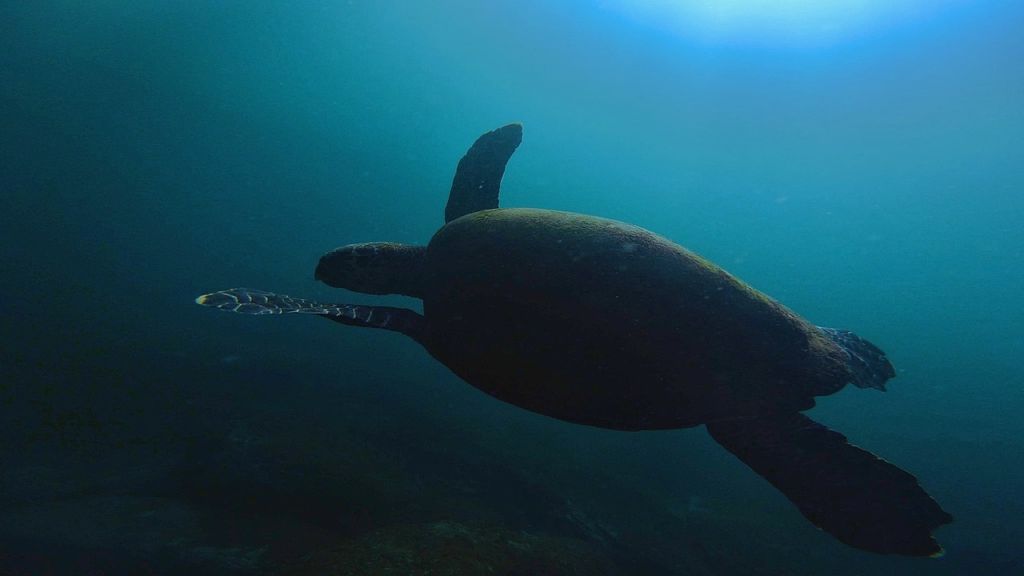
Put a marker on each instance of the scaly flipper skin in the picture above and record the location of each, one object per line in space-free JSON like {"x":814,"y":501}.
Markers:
{"x":478,"y":177}
{"x":846,"y":491}
{"x":259,"y":302}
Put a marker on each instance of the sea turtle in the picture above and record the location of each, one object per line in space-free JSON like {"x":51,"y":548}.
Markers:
{"x":598,"y":322}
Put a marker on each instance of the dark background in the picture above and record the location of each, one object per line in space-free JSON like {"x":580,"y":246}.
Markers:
{"x":870,"y":180}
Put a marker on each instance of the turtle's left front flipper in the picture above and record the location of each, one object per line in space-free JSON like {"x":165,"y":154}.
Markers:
{"x":478,"y":176}
{"x":850,"y":493}
{"x":259,"y":302}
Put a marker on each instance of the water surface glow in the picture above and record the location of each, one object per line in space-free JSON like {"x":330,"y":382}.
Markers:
{"x":787,"y":22}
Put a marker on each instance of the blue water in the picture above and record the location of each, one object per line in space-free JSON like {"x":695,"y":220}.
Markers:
{"x":150,"y":152}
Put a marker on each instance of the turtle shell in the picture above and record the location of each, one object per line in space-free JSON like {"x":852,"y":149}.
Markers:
{"x":603,"y":323}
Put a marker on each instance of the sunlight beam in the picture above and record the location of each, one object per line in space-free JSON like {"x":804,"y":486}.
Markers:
{"x":794,"y":22}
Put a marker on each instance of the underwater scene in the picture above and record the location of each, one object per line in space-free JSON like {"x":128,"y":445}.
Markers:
{"x":617,"y":287}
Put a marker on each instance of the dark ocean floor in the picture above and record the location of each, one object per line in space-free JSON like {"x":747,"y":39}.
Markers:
{"x":242,"y":471}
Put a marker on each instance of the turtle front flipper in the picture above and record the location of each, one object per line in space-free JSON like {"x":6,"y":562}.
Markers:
{"x":478,"y":176}
{"x":848,"y":492}
{"x":259,"y":302}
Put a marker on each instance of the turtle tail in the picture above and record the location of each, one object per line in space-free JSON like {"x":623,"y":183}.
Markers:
{"x":868,"y":365}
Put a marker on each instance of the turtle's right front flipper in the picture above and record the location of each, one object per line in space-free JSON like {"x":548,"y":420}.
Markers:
{"x":846,"y":491}
{"x":259,"y":302}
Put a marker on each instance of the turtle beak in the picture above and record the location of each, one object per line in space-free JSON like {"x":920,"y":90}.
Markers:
{"x":327,"y":262}
{"x":338,"y":268}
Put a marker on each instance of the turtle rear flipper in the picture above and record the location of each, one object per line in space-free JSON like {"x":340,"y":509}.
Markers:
{"x":478,"y":176}
{"x":868,"y":364}
{"x":259,"y":302}
{"x":848,"y":492}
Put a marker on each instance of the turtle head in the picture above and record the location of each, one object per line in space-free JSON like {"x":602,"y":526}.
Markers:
{"x":374,"y":268}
